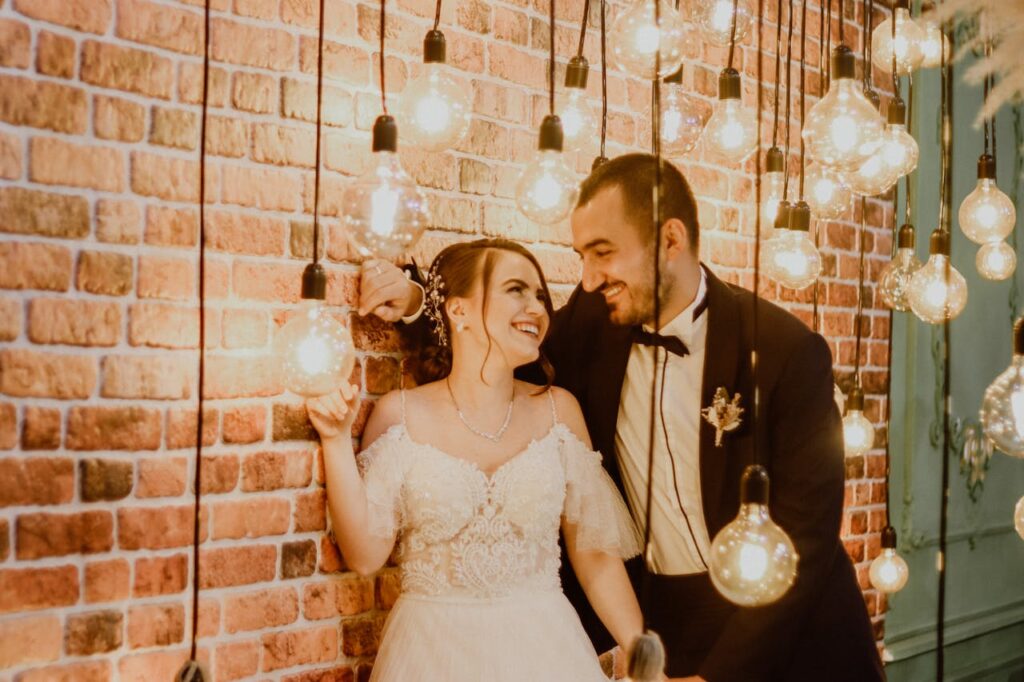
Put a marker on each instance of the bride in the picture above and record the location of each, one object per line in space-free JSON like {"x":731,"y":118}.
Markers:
{"x":471,"y":477}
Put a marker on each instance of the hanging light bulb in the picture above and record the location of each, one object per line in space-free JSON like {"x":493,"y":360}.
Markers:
{"x":772,"y":186}
{"x":996,"y":261}
{"x":547,"y":189}
{"x":909,"y":37}
{"x":1018,"y":518}
{"x":638,"y":35}
{"x":858,"y":433}
{"x":646,"y":659}
{"x":1002,"y":407}
{"x":888,"y":572}
{"x":781,"y":221}
{"x":714,"y":19}
{"x":827,"y":193}
{"x":873,"y":176}
{"x":894,"y":280}
{"x":987,"y":214}
{"x":731,"y":133}
{"x":752,"y":560}
{"x":843,"y":129}
{"x":385,"y":212}
{"x":434,"y":109}
{"x":933,"y":45}
{"x":938,"y":292}
{"x":899,"y":148}
{"x":791,"y":258}
{"x":315,"y":351}
{"x":682,"y":118}
{"x":579,"y":121}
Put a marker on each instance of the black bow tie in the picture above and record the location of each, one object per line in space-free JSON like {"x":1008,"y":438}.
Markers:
{"x":673,"y":344}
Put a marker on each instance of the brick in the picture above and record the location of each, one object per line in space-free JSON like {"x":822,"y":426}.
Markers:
{"x":298,"y":101}
{"x":190,"y":85}
{"x":227,"y":566}
{"x":91,"y":16}
{"x":244,"y":328}
{"x":244,"y":424}
{"x":158,"y":665}
{"x":28,"y":373}
{"x":260,"y":9}
{"x":166,"y":278}
{"x":283,"y":146}
{"x":249,"y":45}
{"x":298,"y":559}
{"x":171,"y":226}
{"x":268,"y":282}
{"x":291,"y":422}
{"x":55,"y":55}
{"x":155,"y":625}
{"x":152,"y":377}
{"x":360,"y":637}
{"x":106,"y":581}
{"x":29,"y":640}
{"x":163,"y":477}
{"x":261,"y":609}
{"x":128,"y":69}
{"x":226,"y":137}
{"x":330,"y":558}
{"x":245,"y":234}
{"x":11,"y":160}
{"x":174,"y":128}
{"x":15,"y":44}
{"x":30,"y":589}
{"x":388,"y":589}
{"x":10,"y":319}
{"x":38,"y":480}
{"x":164,"y":177}
{"x":154,"y":527}
{"x":235,"y":660}
{"x":102,"y":272}
{"x":299,"y":647}
{"x":89,"y":671}
{"x":311,"y":511}
{"x":41,"y":430}
{"x":254,"y":92}
{"x":163,"y":326}
{"x":180,"y":30}
{"x":113,"y":428}
{"x":24,"y":211}
{"x":266,"y":188}
{"x":160,"y":575}
{"x":34,"y":266}
{"x":105,"y":479}
{"x":118,"y":119}
{"x":339,"y":20}
{"x":182,"y":425}
{"x":45,"y":535}
{"x":118,"y":222}
{"x":42,"y":104}
{"x":219,"y":474}
{"x":337,"y":674}
{"x":74,"y":322}
{"x":241,"y":376}
{"x":56,"y":162}
{"x":342,"y":63}
{"x":273,"y":470}
{"x":250,"y":518}
{"x":369,"y":333}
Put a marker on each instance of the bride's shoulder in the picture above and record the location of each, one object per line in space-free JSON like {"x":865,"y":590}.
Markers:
{"x":567,"y":411}
{"x":386,"y":413}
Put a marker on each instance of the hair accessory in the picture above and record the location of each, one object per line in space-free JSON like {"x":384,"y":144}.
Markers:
{"x":435,"y":293}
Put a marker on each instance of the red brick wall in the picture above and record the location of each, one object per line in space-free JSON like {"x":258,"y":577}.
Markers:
{"x":99,"y":163}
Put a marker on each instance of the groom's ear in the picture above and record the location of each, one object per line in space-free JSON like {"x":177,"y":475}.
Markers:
{"x":675,"y":238}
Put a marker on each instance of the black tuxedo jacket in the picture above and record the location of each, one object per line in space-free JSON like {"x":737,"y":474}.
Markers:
{"x":820,"y":629}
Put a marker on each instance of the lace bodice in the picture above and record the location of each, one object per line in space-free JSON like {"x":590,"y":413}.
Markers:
{"x":461,"y":532}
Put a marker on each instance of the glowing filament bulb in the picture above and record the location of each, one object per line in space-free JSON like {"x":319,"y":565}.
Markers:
{"x":987,"y":214}
{"x":638,"y":35}
{"x":682,"y":118}
{"x":434,"y":110}
{"x":791,"y":258}
{"x":894,"y":280}
{"x":1018,"y":518}
{"x":996,"y":261}
{"x":907,"y":44}
{"x":1002,"y":407}
{"x":546,"y":190}
{"x":715,"y":20}
{"x":933,"y":45}
{"x":827,"y":193}
{"x":773,"y":186}
{"x":858,"y":433}
{"x":888,"y":572}
{"x":731,"y":133}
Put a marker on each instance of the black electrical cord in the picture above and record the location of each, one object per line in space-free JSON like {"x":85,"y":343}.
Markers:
{"x":551,"y":61}
{"x":732,"y":30}
{"x":757,"y":458}
{"x":319,"y":116}
{"x":789,"y":98}
{"x":383,"y":27}
{"x":583,"y":27}
{"x":604,"y":81}
{"x":778,"y":73}
{"x":437,"y":15}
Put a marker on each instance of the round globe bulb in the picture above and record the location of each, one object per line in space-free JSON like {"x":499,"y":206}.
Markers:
{"x":791,"y":259}
{"x":996,"y":261}
{"x":579,"y":121}
{"x":731,"y":133}
{"x":547,"y":189}
{"x":932,"y":297}
{"x":888,"y":572}
{"x":933,"y":45}
{"x":682,"y":121}
{"x":987,"y":214}
{"x":772,"y":186}
{"x":635,"y":38}
{"x":909,"y":37}
{"x":858,"y":433}
{"x":899,"y":149}
{"x":827,"y":194}
{"x":714,"y":18}
{"x":752,"y":560}
{"x":1002,"y":407}
{"x":871,"y":178}
{"x":434,"y":111}
{"x":315,"y":351}
{"x":1018,"y":518}
{"x":385,"y":212}
{"x":894,"y":280}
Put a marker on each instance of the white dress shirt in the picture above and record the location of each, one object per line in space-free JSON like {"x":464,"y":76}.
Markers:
{"x":679,"y":537}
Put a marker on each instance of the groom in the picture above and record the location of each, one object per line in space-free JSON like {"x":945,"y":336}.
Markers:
{"x":603,"y":351}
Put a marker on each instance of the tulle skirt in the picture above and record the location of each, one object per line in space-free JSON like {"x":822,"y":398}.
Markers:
{"x":535,"y":636}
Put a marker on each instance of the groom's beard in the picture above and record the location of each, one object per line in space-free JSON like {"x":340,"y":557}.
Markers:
{"x":639,"y":307}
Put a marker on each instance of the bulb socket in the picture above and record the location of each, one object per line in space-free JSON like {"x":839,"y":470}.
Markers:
{"x":939,"y":243}
{"x":986,"y":167}
{"x":905,"y":237}
{"x":897,"y":112}
{"x":901,"y":4}
{"x":385,"y":134}
{"x":774,"y":161}
{"x":576,"y":73}
{"x":855,"y":399}
{"x":435,"y":48}
{"x":782,"y":217}
{"x":873,"y":97}
{"x":844,"y":63}
{"x":1018,"y":336}
{"x":674,"y":77}
{"x":314,"y":282}
{"x":551,"y":135}
{"x":598,"y":162}
{"x":888,"y":538}
{"x":800,"y":216}
{"x":729,"y":84}
{"x":754,"y":485}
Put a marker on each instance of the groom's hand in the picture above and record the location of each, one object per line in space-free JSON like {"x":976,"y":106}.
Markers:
{"x":385,"y":291}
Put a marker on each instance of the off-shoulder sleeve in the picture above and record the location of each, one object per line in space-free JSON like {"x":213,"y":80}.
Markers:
{"x":383,"y":473}
{"x":593,"y":504}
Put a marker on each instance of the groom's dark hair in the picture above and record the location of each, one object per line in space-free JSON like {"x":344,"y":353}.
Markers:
{"x":635,"y":175}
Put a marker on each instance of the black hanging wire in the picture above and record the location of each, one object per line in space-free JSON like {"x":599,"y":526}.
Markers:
{"x":319,"y":114}
{"x":892,"y":313}
{"x":789,"y":97}
{"x":732,"y":30}
{"x":583,"y":27}
{"x":842,"y":20}
{"x":437,"y":15}
{"x":858,"y":319}
{"x":383,"y":26}
{"x":824,"y":30}
{"x":551,"y":60}
{"x":778,"y":73}
{"x":604,"y":82}
{"x":908,"y":185}
{"x":803,"y":77}
{"x":757,"y":458}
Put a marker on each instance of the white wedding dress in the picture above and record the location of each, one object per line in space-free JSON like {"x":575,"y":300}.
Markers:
{"x":481,"y":599}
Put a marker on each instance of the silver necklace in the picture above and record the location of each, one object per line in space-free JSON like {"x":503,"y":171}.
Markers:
{"x":493,"y":437}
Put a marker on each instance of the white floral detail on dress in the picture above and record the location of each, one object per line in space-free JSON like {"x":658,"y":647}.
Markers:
{"x":723,"y":414}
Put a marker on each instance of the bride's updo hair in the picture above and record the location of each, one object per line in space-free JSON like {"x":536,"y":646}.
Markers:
{"x":461,"y":267}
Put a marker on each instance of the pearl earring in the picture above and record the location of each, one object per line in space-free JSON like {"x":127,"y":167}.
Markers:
{"x":460,"y":327}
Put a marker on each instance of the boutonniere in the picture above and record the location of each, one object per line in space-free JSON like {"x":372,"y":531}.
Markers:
{"x":722,"y":413}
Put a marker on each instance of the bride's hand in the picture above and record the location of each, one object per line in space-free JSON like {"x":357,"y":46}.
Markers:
{"x":332,"y":414}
